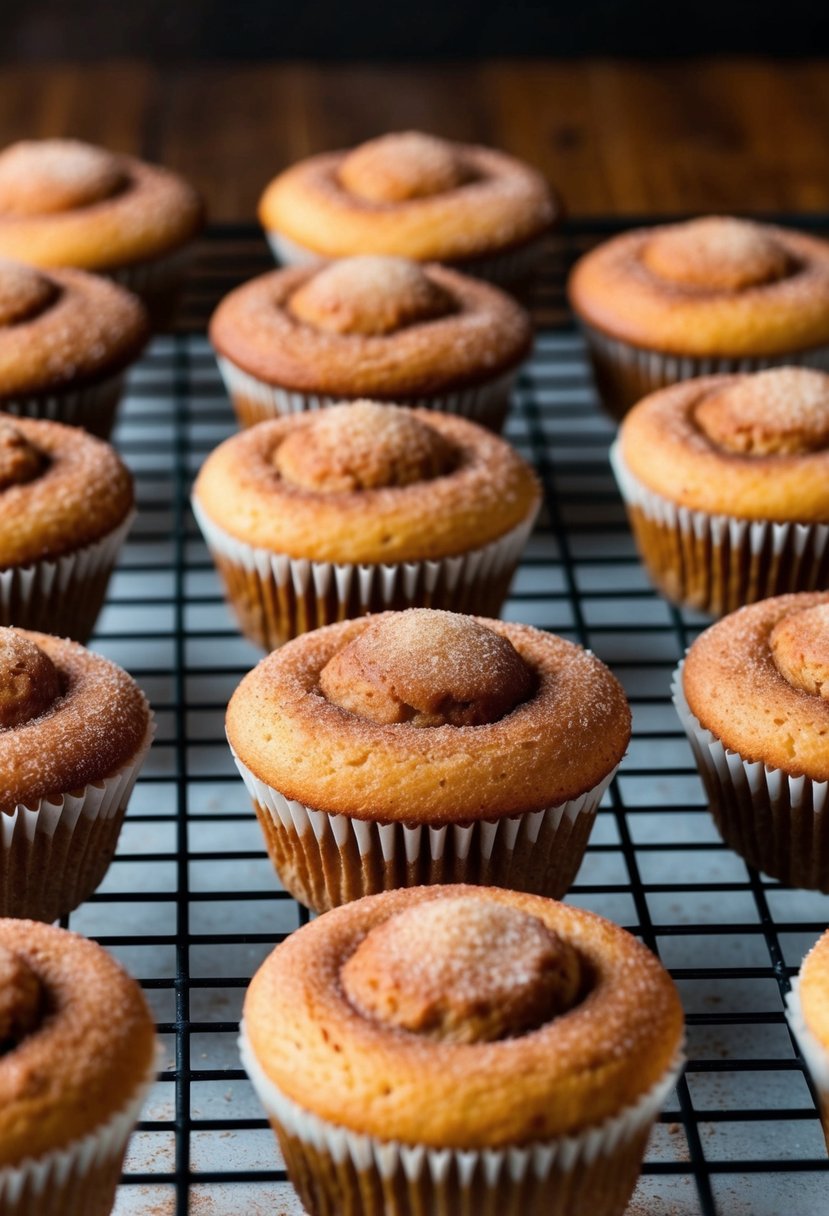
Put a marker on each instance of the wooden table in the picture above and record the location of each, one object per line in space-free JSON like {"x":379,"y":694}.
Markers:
{"x":617,"y":137}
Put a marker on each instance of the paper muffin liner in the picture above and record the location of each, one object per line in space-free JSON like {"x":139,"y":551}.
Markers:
{"x":276,"y":597}
{"x":718,"y":563}
{"x":62,"y":596}
{"x":625,"y":374}
{"x":92,"y":407}
{"x":79,"y":1180}
{"x":159,"y":282}
{"x":55,"y":853}
{"x":592,"y":1172}
{"x":516,"y":265}
{"x":325,"y":860}
{"x":814,"y":1053}
{"x":256,"y":400}
{"x":777,"y":823}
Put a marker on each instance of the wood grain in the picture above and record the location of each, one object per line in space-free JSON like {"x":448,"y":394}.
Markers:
{"x":616,"y":137}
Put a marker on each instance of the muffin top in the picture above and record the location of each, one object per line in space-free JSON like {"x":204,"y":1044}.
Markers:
{"x":64,"y":328}
{"x":753,"y":446}
{"x":367,"y":482}
{"x":759,"y":680}
{"x":713,"y":286}
{"x":409,"y":194}
{"x":60,"y":489}
{"x":68,"y":718}
{"x":377,"y":326}
{"x":436,"y":718}
{"x":67,"y":203}
{"x":77,"y":1042}
{"x":813,"y":988}
{"x":460,"y":1017}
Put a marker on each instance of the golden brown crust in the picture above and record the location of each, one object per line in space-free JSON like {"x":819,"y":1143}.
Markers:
{"x":568,"y":1075}
{"x":29,"y":680}
{"x":63,"y":203}
{"x":746,"y":680}
{"x":490,"y":491}
{"x":814,"y":990}
{"x":90,"y":1051}
{"x":492,"y":203}
{"x":744,"y":446}
{"x":64,"y":329}
{"x":554,"y":746}
{"x":483,"y":335}
{"x":95,"y":727}
{"x":715,"y":287}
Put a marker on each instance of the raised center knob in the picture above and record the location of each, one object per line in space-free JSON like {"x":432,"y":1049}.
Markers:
{"x":370,"y":295}
{"x":781,"y":412}
{"x":463,"y":969}
{"x":45,"y":176}
{"x":428,"y":668}
{"x":364,"y":446}
{"x":402,"y":166}
{"x":29,"y":681}
{"x":800,"y":648}
{"x":20,"y":460}
{"x":24,"y":292}
{"x":21,"y":998}
{"x":716,"y":253}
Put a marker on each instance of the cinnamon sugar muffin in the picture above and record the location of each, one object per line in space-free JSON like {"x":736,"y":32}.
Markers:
{"x":66,"y":504}
{"x":371,"y":326}
{"x":712,"y":295}
{"x":416,"y":196}
{"x":423,"y":747}
{"x":726,"y":482}
{"x":808,"y":1012}
{"x":335,"y":513}
{"x":67,"y":203}
{"x":66,"y":339}
{"x":78,"y":1057}
{"x":462,"y":1050}
{"x":751,"y":698}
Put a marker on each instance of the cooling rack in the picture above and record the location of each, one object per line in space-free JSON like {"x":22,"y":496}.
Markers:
{"x":191,"y":904}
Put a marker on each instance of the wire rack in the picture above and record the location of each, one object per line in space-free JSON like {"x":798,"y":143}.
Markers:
{"x":192,"y":906}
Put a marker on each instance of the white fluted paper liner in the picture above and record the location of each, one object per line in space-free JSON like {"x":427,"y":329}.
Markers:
{"x":38,"y":596}
{"x":38,"y":1185}
{"x":484,"y":403}
{"x":27,"y":827}
{"x":92,"y":407}
{"x":388,"y":1157}
{"x":813,"y":1051}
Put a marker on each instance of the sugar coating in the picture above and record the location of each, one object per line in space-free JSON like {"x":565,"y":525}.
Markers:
{"x":800,"y":647}
{"x":20,"y":460}
{"x":29,"y":681}
{"x":38,"y":177}
{"x":401,"y":166}
{"x":21,"y":999}
{"x":784,"y":411}
{"x":24,"y":292}
{"x":716,"y":252}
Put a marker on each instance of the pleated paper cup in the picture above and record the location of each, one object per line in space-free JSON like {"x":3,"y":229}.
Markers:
{"x":54,"y":854}
{"x":276,"y":597}
{"x":93,"y":407}
{"x":625,"y":374}
{"x":256,"y":400}
{"x":777,"y":823}
{"x":159,"y":282}
{"x":335,"y":1170}
{"x":62,"y":596}
{"x":79,"y":1180}
{"x":814,"y":1053}
{"x":325,"y":860}
{"x":718,"y":563}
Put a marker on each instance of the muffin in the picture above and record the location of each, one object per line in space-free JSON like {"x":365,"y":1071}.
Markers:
{"x":416,"y":196}
{"x":79,"y":1053}
{"x":66,"y":504}
{"x":807,"y":1007}
{"x":427,"y":747}
{"x":74,"y":731}
{"x":462,"y":1050}
{"x":753,"y":701}
{"x":340,"y":512}
{"x":66,"y":340}
{"x":67,"y":203}
{"x":371,"y":326}
{"x":726,"y":483}
{"x":709,"y":296}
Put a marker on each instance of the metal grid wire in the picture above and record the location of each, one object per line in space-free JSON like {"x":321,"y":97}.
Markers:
{"x":192,"y":906}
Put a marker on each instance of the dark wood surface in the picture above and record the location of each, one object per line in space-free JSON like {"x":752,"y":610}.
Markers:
{"x":617,"y":137}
